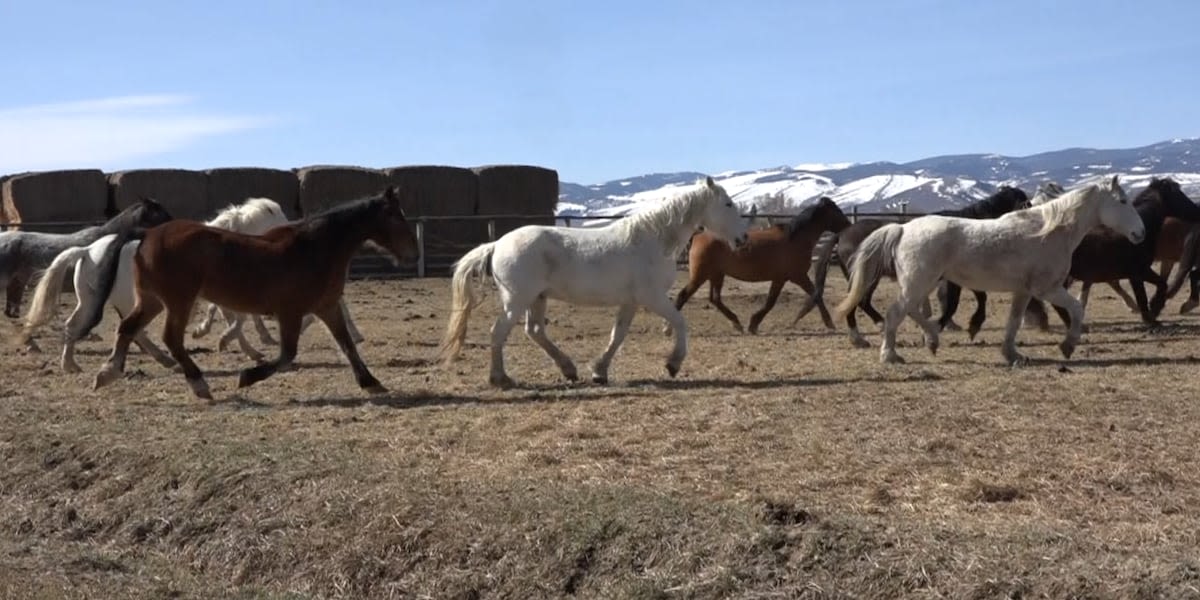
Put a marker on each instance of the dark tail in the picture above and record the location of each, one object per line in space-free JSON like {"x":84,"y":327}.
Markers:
{"x":1187,"y":261}
{"x":106,"y":271}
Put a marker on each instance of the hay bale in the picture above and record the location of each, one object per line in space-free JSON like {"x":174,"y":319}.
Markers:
{"x":323,"y":187}
{"x":183,"y":193}
{"x":49,"y":196}
{"x":518,"y":190}
{"x":442,"y":191}
{"x":234,"y":185}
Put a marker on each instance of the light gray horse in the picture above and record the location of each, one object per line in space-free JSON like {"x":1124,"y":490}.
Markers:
{"x":24,"y":252}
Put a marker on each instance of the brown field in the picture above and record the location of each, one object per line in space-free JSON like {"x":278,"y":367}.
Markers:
{"x":782,"y":465}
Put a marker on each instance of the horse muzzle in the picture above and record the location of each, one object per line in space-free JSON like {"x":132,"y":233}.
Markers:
{"x":1137,"y":237}
{"x":741,"y":240}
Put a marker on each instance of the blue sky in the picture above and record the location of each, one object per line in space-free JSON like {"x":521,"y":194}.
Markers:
{"x":597,"y":90}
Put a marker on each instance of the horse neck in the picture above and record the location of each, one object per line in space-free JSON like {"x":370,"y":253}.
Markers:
{"x":1087,"y":218}
{"x":340,"y":239}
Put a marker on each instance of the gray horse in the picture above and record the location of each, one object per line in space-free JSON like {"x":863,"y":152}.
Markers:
{"x":24,"y":252}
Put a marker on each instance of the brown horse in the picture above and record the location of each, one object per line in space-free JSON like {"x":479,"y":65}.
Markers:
{"x":779,"y":254}
{"x":1168,"y":252}
{"x":288,"y":272}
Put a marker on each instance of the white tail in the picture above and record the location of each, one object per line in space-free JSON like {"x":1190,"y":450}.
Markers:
{"x":44,"y":304}
{"x":473,"y":265}
{"x":875,"y":254}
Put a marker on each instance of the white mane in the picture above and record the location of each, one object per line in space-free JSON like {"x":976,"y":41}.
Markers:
{"x":1070,"y":207}
{"x":236,"y":217}
{"x":667,"y":219}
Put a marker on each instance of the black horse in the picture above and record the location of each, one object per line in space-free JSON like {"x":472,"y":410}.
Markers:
{"x":842,"y":247}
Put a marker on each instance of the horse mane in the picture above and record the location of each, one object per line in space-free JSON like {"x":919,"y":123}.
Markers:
{"x":661,"y":219}
{"x":234,"y":215}
{"x":343,"y":214}
{"x":796,"y":226}
{"x":1169,"y":194}
{"x":1065,"y":208}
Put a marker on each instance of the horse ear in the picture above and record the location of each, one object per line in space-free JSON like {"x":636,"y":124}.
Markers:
{"x":1113,"y":184}
{"x":708,"y":180}
{"x":393,"y":197}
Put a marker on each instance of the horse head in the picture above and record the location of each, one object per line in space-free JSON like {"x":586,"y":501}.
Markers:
{"x":1170,"y":195}
{"x":148,"y":212}
{"x":721,"y":216}
{"x":1117,"y":213}
{"x":390,"y":227}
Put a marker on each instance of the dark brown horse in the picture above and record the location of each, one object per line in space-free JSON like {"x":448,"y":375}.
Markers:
{"x":1168,"y":252}
{"x":779,"y":254}
{"x":1102,"y":257}
{"x":288,"y":272}
{"x":843,"y":246}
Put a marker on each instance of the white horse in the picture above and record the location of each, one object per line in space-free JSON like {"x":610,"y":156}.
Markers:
{"x":254,"y":215}
{"x":1027,"y":253}
{"x":629,"y":263}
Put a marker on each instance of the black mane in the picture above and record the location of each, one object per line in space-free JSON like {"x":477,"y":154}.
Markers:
{"x":805,"y":216}
{"x":1171,"y":197}
{"x":1005,"y":200}
{"x":344,"y":214}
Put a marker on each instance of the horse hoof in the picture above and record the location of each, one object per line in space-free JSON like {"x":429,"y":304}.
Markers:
{"x":753,"y":330}
{"x":32,"y":347}
{"x":739,"y":329}
{"x":1188,"y":307}
{"x":952,"y":326}
{"x":106,"y":376}
{"x":892,"y":359}
{"x":375,"y":389}
{"x":860,"y":343}
{"x":933,"y":348}
{"x":200,"y":389}
{"x":1067,"y":348}
{"x":1017,"y":360}
{"x":599,"y":379}
{"x":672,"y":370}
{"x":503,"y":382}
{"x":245,"y":380}
{"x":357,"y":339}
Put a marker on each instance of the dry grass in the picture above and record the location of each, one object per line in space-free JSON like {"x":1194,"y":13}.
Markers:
{"x":782,"y":465}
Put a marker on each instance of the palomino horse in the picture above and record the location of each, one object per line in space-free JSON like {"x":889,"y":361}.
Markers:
{"x":1104,"y":256}
{"x":628,"y":263}
{"x":23,"y":252}
{"x":250,"y":218}
{"x":778,"y":254}
{"x":291,"y":271}
{"x":1005,"y":200}
{"x":1027,"y":253}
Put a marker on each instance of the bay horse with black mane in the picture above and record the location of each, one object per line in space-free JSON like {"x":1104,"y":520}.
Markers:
{"x":24,"y":252}
{"x":779,"y":254}
{"x":1003,"y":201}
{"x":292,"y":270}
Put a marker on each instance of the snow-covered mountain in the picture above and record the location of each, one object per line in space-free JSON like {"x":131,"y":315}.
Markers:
{"x":924,"y":185}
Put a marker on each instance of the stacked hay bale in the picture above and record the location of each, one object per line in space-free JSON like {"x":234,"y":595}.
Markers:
{"x":78,"y":196}
{"x":228,"y":186}
{"x":183,"y":193}
{"x":438,"y":191}
{"x":518,"y":190}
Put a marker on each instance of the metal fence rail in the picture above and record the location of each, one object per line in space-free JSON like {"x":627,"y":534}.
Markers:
{"x":369,"y":264}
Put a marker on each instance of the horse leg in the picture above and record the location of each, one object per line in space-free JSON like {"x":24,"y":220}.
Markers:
{"x":1194,"y":296}
{"x":685,"y":294}
{"x":289,"y":341}
{"x":1086,"y":290}
{"x":810,"y":288}
{"x":505,"y":321}
{"x":714,"y":298}
{"x":14,"y":292}
{"x":236,"y":332}
{"x":772,"y":297}
{"x":663,"y":308}
{"x":335,"y":319}
{"x":264,"y":334}
{"x":1060,"y":298}
{"x":895,"y":315}
{"x":870,"y":310}
{"x":1129,"y":301}
{"x":535,"y":329}
{"x":1016,"y":314}
{"x":1160,"y":293}
{"x":978,"y":317}
{"x":355,"y":335}
{"x":948,"y":294}
{"x":625,"y":316}
{"x":174,"y":331}
{"x":856,"y":338}
{"x":1036,"y":313}
{"x":144,"y":311}
{"x":205,"y":324}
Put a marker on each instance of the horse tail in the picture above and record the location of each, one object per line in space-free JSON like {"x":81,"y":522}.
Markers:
{"x":106,"y":273}
{"x":870,"y":260}
{"x":473,"y":265}
{"x":1187,"y":261}
{"x":44,"y":304}
{"x":824,"y":251}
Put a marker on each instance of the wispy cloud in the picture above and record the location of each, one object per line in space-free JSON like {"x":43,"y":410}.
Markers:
{"x":104,"y":132}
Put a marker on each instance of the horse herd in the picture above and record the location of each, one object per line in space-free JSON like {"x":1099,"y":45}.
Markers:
{"x":250,"y":260}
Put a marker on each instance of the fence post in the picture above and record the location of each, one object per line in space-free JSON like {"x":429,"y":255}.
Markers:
{"x":854,"y":213}
{"x":491,"y":230}
{"x":903,"y":211}
{"x":421,"y":247}
{"x":567,"y":221}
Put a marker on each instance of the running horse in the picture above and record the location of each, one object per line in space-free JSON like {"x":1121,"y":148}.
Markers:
{"x":1005,"y":200}
{"x":1026,"y":252}
{"x":24,"y":252}
{"x":292,"y":270}
{"x":779,"y":254}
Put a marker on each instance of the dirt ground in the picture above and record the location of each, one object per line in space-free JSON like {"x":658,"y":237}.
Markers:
{"x":787,"y":464}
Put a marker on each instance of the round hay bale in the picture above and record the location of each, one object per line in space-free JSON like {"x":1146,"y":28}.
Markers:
{"x":323,"y":187}
{"x":518,"y":190}
{"x":183,"y":193}
{"x":51,"y":196}
{"x":234,"y":185}
{"x":442,"y":191}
